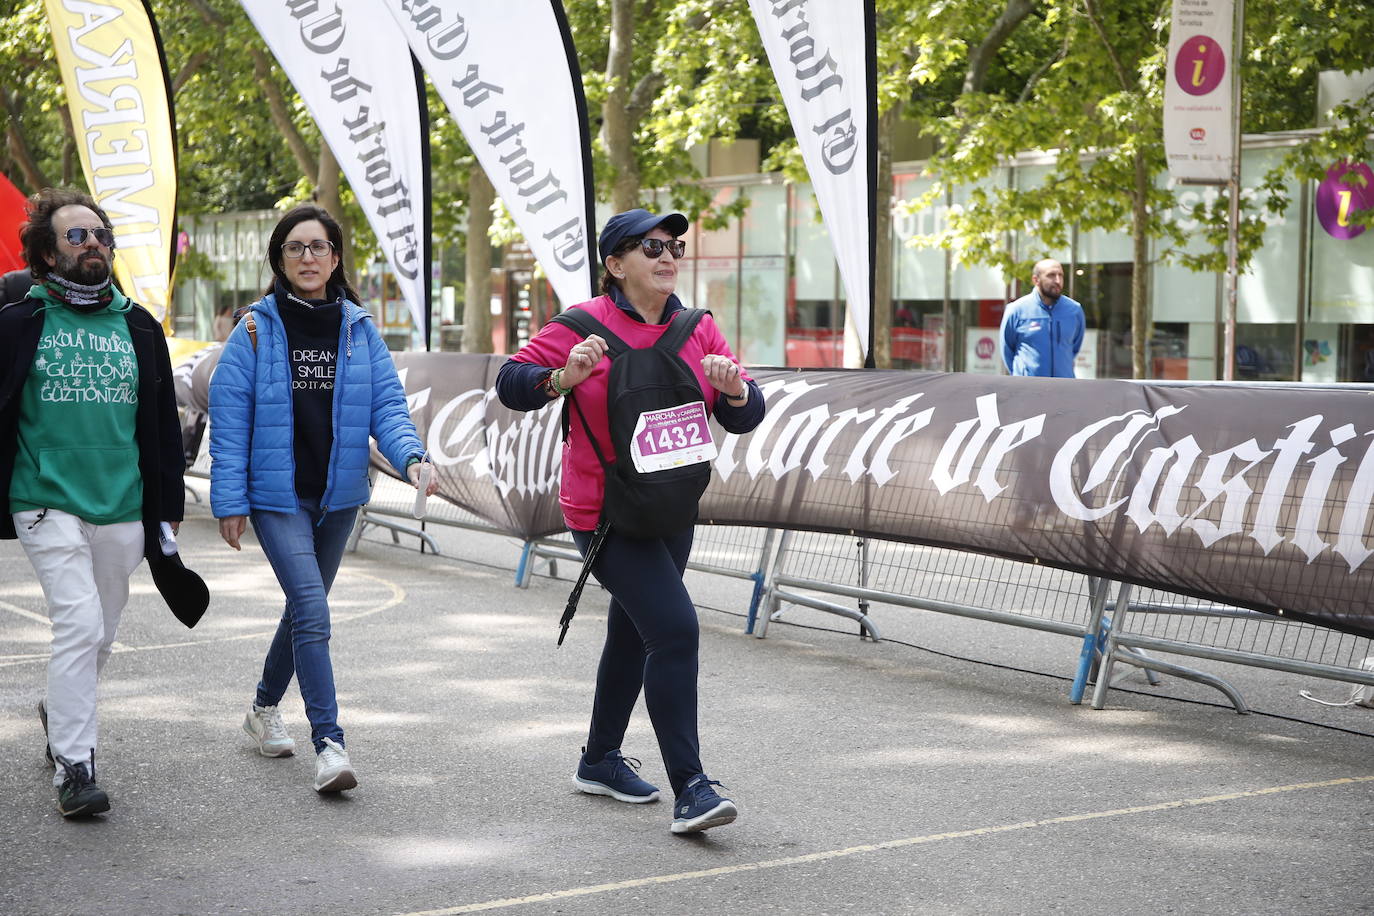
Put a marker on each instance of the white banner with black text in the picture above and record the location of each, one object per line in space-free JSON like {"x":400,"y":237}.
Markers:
{"x":352,"y":67}
{"x":524,"y":115}
{"x":822,"y":54}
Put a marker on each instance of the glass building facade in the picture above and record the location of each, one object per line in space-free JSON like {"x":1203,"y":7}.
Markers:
{"x":1305,"y":306}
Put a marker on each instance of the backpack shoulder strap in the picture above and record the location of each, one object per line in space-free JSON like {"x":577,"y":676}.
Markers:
{"x":251,"y":327}
{"x":681,"y":328}
{"x":583,"y":323}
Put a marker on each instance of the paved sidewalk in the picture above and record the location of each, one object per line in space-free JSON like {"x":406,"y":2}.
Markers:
{"x":871,"y":778}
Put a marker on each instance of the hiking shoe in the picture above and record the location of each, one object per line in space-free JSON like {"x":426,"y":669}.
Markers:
{"x":43,"y":718}
{"x":614,"y":776}
{"x":700,"y":808}
{"x":333,"y":772}
{"x":264,"y":725}
{"x":78,"y":795}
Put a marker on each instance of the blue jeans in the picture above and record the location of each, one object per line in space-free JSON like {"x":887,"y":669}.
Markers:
{"x":304,"y":549}
{"x":651,"y":644}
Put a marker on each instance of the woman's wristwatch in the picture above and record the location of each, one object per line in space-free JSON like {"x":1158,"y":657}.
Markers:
{"x":742,"y":398}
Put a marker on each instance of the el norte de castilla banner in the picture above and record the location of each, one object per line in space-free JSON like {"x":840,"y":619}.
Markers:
{"x":524,"y":116}
{"x":351,"y":65}
{"x":113,"y":71}
{"x":823,"y":57}
{"x":1257,"y":497}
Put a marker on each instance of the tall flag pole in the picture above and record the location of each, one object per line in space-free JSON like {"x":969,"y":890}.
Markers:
{"x":120,"y":99}
{"x":823,"y":54}
{"x":524,"y":115}
{"x":344,"y":60}
{"x":871,"y":81}
{"x":425,"y":216}
{"x":584,"y":141}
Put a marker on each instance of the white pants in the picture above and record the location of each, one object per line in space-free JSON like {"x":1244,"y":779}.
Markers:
{"x":84,"y":570}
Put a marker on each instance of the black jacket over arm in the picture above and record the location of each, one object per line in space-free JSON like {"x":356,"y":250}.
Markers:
{"x":158,"y":431}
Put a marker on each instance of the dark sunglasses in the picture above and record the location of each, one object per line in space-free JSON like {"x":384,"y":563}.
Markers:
{"x":654,"y":247}
{"x":76,"y":236}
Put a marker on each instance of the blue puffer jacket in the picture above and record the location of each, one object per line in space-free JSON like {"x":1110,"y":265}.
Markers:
{"x":253,"y":462}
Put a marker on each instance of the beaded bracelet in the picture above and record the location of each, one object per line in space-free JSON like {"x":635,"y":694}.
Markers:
{"x":552,"y":383}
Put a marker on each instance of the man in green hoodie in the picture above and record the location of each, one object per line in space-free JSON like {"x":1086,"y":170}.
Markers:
{"x":90,"y":460}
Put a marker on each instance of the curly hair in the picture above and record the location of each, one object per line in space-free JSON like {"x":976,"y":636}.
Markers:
{"x":37,"y":235}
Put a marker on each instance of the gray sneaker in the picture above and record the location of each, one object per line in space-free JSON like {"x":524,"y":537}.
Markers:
{"x":264,"y":725}
{"x":333,"y":772}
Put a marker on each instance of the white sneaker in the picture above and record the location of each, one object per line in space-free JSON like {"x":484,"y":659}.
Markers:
{"x":333,"y":772}
{"x":264,"y":725}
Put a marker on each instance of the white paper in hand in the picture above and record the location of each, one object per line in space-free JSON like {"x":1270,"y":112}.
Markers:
{"x":167,"y":539}
{"x":426,"y":475}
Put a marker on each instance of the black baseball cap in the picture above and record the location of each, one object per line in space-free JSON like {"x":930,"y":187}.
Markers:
{"x":636,"y":222}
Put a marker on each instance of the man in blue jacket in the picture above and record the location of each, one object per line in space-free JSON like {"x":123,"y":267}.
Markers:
{"x":1043,"y":331}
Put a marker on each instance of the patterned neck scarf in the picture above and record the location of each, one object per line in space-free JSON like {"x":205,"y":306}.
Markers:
{"x":79,"y":296}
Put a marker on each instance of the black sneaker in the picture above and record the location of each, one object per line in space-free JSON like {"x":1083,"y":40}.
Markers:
{"x":700,"y":808}
{"x":614,"y":776}
{"x":43,"y":718}
{"x":79,"y":796}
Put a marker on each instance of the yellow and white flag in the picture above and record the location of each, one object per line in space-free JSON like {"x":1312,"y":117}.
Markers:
{"x":116,"y":79}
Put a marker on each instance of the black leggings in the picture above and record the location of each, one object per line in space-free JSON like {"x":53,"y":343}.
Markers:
{"x":651,"y":642}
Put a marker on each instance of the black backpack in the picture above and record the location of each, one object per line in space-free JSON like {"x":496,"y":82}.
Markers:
{"x":641,"y":379}
{"x":644,"y":379}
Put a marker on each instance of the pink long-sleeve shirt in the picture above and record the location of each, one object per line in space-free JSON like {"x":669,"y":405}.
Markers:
{"x":583,"y":483}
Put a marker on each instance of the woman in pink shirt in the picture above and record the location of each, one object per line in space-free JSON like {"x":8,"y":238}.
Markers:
{"x":651,"y":633}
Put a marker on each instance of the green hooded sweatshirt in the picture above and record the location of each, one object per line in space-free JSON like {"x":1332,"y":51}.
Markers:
{"x":78,"y":417}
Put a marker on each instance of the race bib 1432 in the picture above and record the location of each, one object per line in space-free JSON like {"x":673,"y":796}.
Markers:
{"x":672,"y":438}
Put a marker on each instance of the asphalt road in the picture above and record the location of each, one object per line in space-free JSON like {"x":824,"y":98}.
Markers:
{"x":872,"y":778}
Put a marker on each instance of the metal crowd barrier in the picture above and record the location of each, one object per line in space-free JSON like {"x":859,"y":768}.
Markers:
{"x":392,"y":500}
{"x":847,"y":575}
{"x":945,"y":581}
{"x":723,"y":550}
{"x":1129,"y":627}
{"x":1149,"y":619}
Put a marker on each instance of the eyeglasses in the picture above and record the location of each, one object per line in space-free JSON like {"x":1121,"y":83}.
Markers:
{"x":654,"y":247}
{"x":76,"y":236}
{"x":319,"y":248}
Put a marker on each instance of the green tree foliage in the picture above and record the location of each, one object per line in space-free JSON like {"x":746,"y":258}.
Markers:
{"x":1085,"y":78}
{"x":39,"y":148}
{"x":987,"y":79}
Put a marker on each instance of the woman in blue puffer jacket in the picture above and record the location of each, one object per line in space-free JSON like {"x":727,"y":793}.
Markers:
{"x":302,"y":382}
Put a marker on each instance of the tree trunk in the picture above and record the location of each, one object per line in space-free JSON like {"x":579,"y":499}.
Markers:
{"x":617,"y":125}
{"x":327,"y":192}
{"x":276,"y":102}
{"x":188,"y":70}
{"x":19,"y":147}
{"x":1142,"y":326}
{"x":1140,"y":214}
{"x":281,"y":115}
{"x":69,"y":149}
{"x":882,"y":261}
{"x":477,"y":302}
{"x":980,"y":57}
